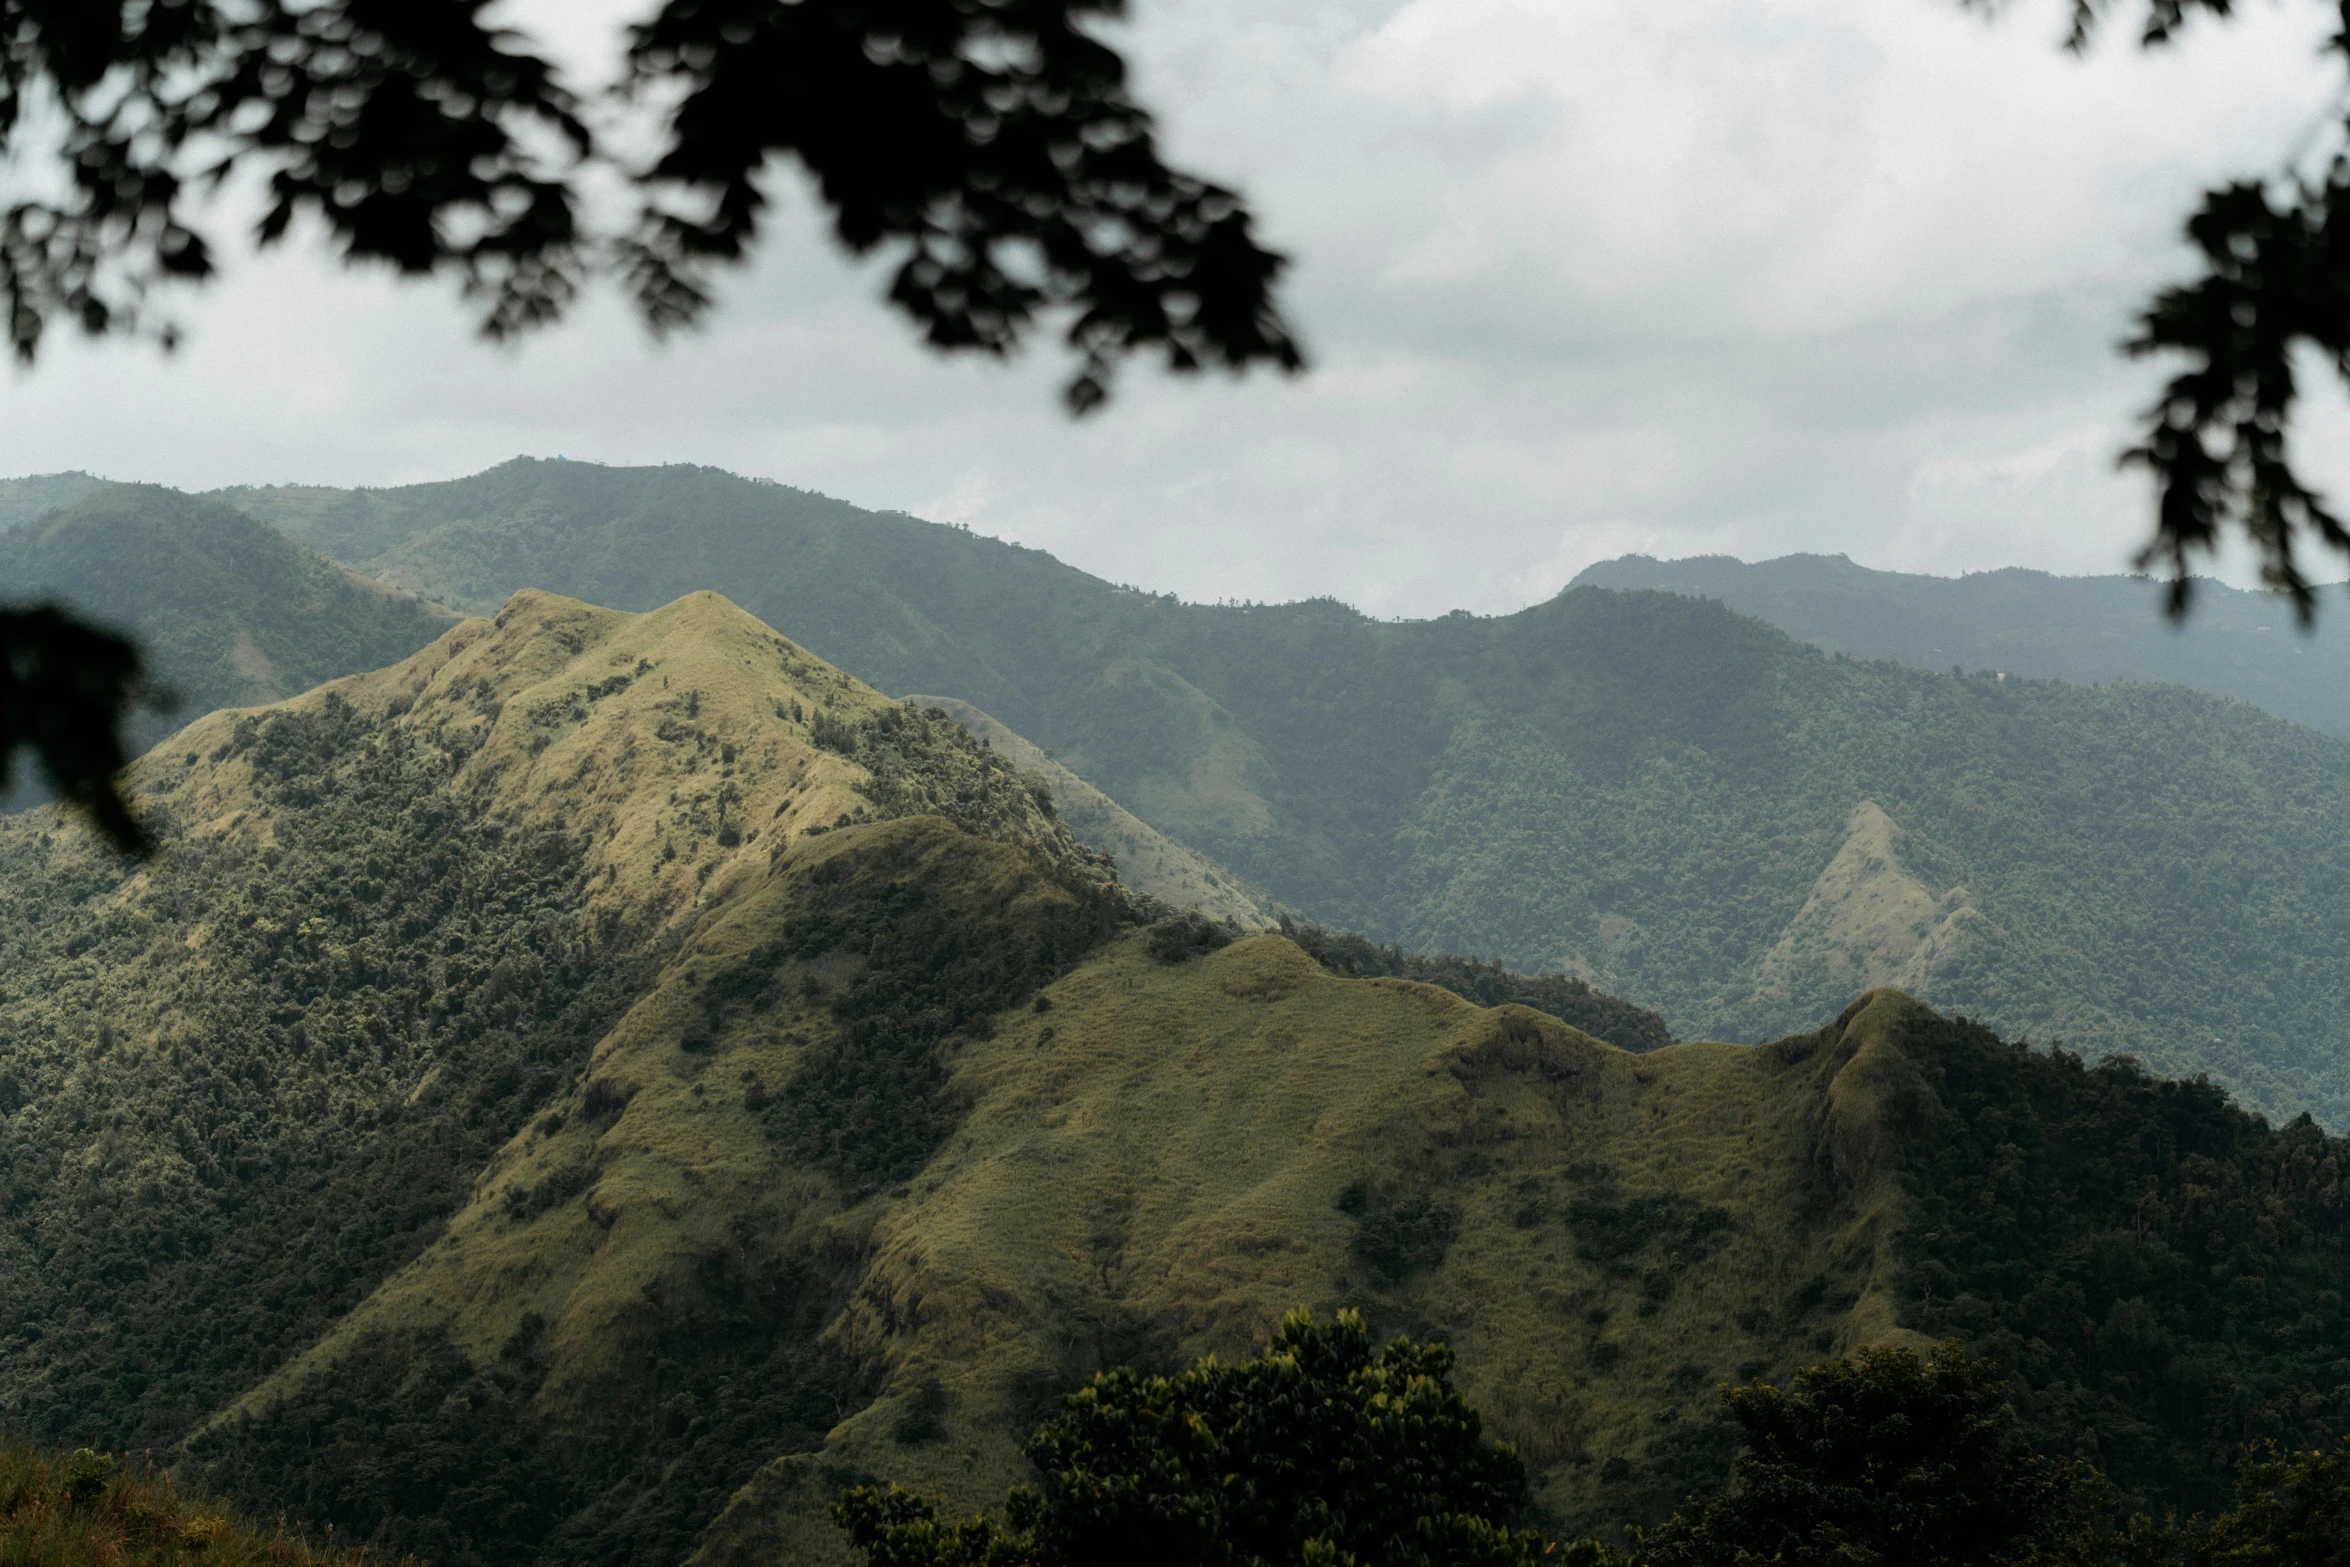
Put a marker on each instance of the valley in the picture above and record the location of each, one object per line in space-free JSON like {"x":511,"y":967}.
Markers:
{"x":633,"y":1013}
{"x":601,"y":1084}
{"x":1681,"y":806}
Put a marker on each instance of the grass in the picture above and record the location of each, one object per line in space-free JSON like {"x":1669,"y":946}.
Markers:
{"x":1151,"y":1159}
{"x":1169,"y":1156}
{"x":1149,"y":862}
{"x":83,"y":1509}
{"x":1157,"y":1162}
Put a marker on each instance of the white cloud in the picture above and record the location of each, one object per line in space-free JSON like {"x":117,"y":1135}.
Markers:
{"x":1742,"y":275}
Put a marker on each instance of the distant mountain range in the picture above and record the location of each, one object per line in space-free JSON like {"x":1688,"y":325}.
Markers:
{"x":228,"y":611}
{"x":589,"y":1090}
{"x":1679,"y":804}
{"x":2088,"y":630}
{"x":35,"y":496}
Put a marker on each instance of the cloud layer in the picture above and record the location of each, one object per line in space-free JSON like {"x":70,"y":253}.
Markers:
{"x":1581,"y":277}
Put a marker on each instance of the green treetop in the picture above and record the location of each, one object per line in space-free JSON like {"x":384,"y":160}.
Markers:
{"x":1328,"y":1450}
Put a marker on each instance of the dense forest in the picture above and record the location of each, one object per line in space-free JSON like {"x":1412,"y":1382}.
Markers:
{"x":1635,"y":788}
{"x":2088,"y":630}
{"x":2160,"y":1273}
{"x":227,"y":611}
{"x":237,"y":1104}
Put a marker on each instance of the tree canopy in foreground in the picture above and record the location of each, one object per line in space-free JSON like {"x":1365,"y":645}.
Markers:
{"x":2275,"y":257}
{"x":991,"y":145}
{"x":1327,"y":1450}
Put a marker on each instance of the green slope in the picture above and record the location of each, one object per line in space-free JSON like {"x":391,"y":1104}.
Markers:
{"x":34,"y":496}
{"x":1149,"y":862}
{"x":228,"y":612}
{"x":587,"y":1091}
{"x":1687,"y":807}
{"x":2084,"y":629}
{"x":245,"y":1082}
{"x":85,"y":1509}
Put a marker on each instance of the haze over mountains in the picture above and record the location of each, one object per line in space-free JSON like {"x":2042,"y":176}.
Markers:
{"x":1682,"y":805}
{"x":1686,"y":808}
{"x":227,"y":611}
{"x":2084,"y":629}
{"x":586,"y":1091}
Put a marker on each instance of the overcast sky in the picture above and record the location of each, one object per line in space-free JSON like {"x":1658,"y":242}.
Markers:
{"x":1580,"y":277}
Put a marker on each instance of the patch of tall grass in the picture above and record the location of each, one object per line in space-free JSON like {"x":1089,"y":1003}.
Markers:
{"x":84,"y":1509}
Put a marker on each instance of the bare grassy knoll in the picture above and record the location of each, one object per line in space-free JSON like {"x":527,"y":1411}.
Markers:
{"x":86,"y":1509}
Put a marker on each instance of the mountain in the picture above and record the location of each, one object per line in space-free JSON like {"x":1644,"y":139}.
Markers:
{"x":592,"y":1089}
{"x":33,"y":497}
{"x":1683,"y":806}
{"x":1149,"y":861}
{"x":229,"y":612}
{"x":2087,"y":630}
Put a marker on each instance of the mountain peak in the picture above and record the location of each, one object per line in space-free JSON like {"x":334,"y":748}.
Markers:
{"x":676,"y":750}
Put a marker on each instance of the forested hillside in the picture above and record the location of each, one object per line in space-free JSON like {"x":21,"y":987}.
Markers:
{"x":2085,"y":629}
{"x":33,"y":497}
{"x":228,"y":612}
{"x":587,"y":1092}
{"x":1687,"y":807}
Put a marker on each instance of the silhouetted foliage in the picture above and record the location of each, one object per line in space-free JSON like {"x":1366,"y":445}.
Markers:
{"x":66,"y":689}
{"x":995,"y":145}
{"x":2276,"y":278}
{"x":1326,"y":1450}
{"x":994,"y":140}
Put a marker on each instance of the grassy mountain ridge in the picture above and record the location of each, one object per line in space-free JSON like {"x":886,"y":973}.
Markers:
{"x":589,"y":1090}
{"x":245,"y":1082}
{"x":1647,"y":791}
{"x":450,"y":965}
{"x":1167,"y":1156}
{"x":1156,"y":1164}
{"x":2087,"y":630}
